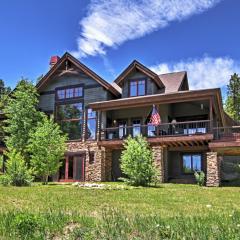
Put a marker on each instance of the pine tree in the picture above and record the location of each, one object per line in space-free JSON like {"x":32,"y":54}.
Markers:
{"x":4,"y":96}
{"x":22,"y":117}
{"x":232,"y":104}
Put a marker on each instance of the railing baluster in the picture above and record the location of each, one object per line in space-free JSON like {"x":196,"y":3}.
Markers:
{"x":166,"y":129}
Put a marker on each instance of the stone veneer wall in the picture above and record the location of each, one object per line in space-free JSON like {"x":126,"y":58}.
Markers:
{"x":158,"y":158}
{"x":100,"y":169}
{"x":108,"y":164}
{"x":213,"y":170}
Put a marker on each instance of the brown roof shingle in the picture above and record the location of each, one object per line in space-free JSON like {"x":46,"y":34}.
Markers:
{"x":172,"y":81}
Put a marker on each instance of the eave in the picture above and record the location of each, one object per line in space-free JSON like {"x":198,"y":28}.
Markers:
{"x":140,"y":67}
{"x":83,"y":68}
{"x":154,"y":99}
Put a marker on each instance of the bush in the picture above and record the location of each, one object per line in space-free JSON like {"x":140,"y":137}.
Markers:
{"x":17,"y":173}
{"x":27,"y":224}
{"x":5,"y":180}
{"x":137,"y":162}
{"x":200,"y":178}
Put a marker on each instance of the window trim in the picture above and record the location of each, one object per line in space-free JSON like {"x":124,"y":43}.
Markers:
{"x":86,"y":122}
{"x":72,"y":101}
{"x":68,"y":87}
{"x":191,"y":154}
{"x":137,"y":80}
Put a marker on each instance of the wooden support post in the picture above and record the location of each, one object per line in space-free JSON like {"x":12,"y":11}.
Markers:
{"x":211,"y":113}
{"x":99,"y":125}
{"x":66,"y":167}
{"x":75,"y":168}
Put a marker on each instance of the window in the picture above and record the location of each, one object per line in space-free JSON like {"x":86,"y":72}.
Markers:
{"x":192,"y":163}
{"x":91,"y":157}
{"x":91,"y":124}
{"x":68,"y":93}
{"x":136,"y":127}
{"x":70,"y":118}
{"x":137,"y":88}
{"x":61,"y":94}
{"x":122,"y":128}
{"x":78,"y":92}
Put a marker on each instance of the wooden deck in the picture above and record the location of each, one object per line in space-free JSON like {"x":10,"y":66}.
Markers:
{"x":226,"y":140}
{"x":196,"y":141}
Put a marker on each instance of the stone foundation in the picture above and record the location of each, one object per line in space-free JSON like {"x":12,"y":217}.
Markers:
{"x":213,"y":170}
{"x":100,"y":168}
{"x":108,"y":164}
{"x":158,"y":158}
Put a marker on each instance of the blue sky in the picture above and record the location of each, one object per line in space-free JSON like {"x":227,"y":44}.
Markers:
{"x":200,"y":36}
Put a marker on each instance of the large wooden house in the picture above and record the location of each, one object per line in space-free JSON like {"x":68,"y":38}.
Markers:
{"x":195,"y":134}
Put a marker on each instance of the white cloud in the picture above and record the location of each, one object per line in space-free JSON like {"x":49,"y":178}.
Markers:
{"x":205,"y":72}
{"x":110,"y":23}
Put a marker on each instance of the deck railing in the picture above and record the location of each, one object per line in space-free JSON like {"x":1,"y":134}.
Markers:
{"x":151,"y":131}
{"x":231,"y":133}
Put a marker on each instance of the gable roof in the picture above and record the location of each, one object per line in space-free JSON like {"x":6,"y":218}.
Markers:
{"x":174,"y":81}
{"x":67,"y":56}
{"x":140,"y":67}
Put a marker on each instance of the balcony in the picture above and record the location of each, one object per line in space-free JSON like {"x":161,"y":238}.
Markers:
{"x":180,"y":134}
{"x":226,"y":140}
{"x":227,"y":133}
{"x":162,"y":130}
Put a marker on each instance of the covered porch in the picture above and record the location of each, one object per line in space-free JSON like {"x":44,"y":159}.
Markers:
{"x":190,"y":116}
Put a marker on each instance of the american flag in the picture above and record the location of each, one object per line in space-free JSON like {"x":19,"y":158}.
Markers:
{"x":155,"y":117}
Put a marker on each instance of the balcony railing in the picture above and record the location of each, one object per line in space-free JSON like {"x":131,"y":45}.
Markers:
{"x":151,"y":131}
{"x":227,"y":133}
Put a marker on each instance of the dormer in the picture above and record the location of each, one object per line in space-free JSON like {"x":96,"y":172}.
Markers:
{"x":138,"y":80}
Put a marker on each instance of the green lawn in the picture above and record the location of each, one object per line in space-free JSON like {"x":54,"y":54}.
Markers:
{"x":169,"y":212}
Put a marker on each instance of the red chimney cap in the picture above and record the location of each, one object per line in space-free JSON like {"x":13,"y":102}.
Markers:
{"x":54,"y":60}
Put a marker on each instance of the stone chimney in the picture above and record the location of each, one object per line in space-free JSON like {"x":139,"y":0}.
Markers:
{"x":53,"y":60}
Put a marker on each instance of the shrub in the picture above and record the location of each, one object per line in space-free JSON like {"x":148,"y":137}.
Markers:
{"x":137,"y":162}
{"x":17,"y":173}
{"x":27,"y":224}
{"x":5,"y":180}
{"x":200,"y":178}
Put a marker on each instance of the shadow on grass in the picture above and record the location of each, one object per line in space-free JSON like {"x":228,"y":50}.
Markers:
{"x":235,"y":183}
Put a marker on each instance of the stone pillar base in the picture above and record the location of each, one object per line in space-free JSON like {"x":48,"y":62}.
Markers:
{"x":213,"y":170}
{"x":158,"y":158}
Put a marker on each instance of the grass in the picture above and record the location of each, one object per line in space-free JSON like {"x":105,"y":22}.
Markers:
{"x":167,"y":212}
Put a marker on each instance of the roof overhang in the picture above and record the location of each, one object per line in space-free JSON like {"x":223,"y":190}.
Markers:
{"x":40,"y":85}
{"x":135,"y":65}
{"x":181,"y":96}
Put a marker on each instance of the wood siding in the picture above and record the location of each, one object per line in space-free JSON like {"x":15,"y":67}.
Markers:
{"x":151,"y":87}
{"x":93,"y":91}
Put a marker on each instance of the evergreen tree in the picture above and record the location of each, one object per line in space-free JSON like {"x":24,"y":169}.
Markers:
{"x":4,"y":96}
{"x":232,"y":104}
{"x":22,"y":117}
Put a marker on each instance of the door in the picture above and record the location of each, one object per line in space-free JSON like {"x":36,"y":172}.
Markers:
{"x":79,"y":168}
{"x":136,"y":127}
{"x":122,"y":129}
{"x":72,"y":169}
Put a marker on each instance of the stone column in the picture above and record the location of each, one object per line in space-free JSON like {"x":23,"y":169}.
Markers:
{"x":108,"y":164}
{"x":213,"y":170}
{"x":158,"y":158}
